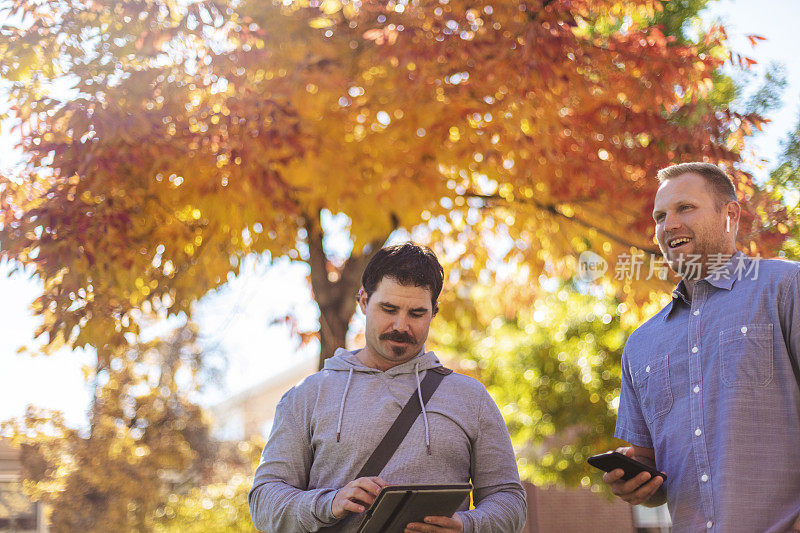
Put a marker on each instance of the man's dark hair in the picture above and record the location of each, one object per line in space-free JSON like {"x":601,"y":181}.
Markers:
{"x":717,"y":180}
{"x":408,"y":264}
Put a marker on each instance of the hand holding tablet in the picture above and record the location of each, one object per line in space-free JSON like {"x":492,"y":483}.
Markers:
{"x":357,"y":496}
{"x":399,"y":505}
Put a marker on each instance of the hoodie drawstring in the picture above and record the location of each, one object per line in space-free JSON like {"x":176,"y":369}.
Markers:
{"x":341,"y":406}
{"x":419,"y":395}
{"x":424,"y":413}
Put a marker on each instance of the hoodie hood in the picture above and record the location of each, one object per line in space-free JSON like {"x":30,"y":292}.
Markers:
{"x":345,"y":360}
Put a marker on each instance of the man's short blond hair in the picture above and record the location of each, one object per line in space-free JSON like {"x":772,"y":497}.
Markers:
{"x":718,"y":181}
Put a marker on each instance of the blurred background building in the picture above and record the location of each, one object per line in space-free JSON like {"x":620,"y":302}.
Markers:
{"x":17,"y":513}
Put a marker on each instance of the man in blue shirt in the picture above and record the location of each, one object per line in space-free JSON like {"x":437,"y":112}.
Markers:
{"x":710,"y":385}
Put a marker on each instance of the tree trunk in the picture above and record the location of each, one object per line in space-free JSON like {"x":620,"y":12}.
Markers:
{"x":334,"y":288}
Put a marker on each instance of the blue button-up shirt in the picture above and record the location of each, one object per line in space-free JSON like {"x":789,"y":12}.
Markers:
{"x":708,"y":384}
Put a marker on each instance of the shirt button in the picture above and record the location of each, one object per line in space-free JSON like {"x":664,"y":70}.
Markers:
{"x":744,"y":329}
{"x":647,"y":369}
{"x":695,"y":349}
{"x":698,"y":432}
{"x":696,"y":313}
{"x":709,"y":524}
{"x":696,"y":389}
{"x":704,"y":478}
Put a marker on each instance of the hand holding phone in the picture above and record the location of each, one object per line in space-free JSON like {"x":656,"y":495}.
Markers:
{"x":631,"y":480}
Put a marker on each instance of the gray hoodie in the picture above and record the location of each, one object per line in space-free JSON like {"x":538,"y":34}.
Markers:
{"x":327,"y":426}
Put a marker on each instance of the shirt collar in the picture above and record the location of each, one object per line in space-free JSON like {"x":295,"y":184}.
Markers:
{"x":678,"y":294}
{"x":724,"y":276}
{"x":721,"y":277}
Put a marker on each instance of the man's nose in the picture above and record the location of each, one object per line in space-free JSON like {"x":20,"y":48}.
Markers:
{"x":671,"y":221}
{"x":400,"y":323}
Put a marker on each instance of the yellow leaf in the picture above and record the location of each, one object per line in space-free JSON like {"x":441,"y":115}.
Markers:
{"x":321,"y":22}
{"x":350,"y":11}
{"x":329,"y":7}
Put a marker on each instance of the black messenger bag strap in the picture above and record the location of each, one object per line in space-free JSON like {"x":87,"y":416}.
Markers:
{"x":395,"y":435}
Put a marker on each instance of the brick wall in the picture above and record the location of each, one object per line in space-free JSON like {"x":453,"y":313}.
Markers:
{"x":556,"y":510}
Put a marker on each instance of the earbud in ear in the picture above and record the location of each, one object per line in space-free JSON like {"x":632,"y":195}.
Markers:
{"x":728,"y":224}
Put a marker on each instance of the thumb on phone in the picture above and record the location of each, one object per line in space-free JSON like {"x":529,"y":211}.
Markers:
{"x":626,"y":450}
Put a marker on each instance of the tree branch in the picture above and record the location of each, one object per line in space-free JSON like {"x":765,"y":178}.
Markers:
{"x":336,"y":299}
{"x":554,"y":210}
{"x":317,"y":260}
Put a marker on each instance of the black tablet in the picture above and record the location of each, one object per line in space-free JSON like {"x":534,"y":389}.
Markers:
{"x":398,"y":505}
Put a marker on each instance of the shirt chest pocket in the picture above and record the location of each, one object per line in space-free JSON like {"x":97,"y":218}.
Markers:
{"x":746,"y":355}
{"x":653,"y":387}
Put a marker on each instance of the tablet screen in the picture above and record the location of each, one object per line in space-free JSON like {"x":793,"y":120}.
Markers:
{"x":398,"y":505}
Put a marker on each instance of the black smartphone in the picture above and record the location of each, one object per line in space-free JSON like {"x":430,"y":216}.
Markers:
{"x":612,"y":460}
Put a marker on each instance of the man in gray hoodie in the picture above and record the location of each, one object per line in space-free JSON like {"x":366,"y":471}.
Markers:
{"x":329,"y":424}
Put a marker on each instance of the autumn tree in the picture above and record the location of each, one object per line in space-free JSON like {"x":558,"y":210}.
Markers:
{"x":784,"y":184}
{"x":192,"y":135}
{"x":220,"y":505}
{"x":147,"y":440}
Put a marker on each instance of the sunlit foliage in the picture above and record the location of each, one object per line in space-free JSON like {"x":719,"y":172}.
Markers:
{"x":165,"y":141}
{"x":552,"y":363}
{"x":219,"y":506}
{"x":146,"y":439}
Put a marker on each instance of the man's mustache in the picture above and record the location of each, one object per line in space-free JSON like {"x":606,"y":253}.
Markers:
{"x":398,"y":336}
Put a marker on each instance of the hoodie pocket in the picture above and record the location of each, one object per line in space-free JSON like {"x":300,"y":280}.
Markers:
{"x":653,"y":387}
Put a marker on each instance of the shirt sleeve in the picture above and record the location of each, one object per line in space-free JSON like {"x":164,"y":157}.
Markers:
{"x":631,"y":425}
{"x":500,"y":503}
{"x":790,"y":318}
{"x":278,"y":499}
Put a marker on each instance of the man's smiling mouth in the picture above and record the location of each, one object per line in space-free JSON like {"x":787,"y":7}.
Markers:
{"x":678,"y":241}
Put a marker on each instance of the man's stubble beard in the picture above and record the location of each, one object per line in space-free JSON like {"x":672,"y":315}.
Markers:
{"x":398,"y":351}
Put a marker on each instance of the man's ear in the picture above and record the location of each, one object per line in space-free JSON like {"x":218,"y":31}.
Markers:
{"x":362,"y":300}
{"x":734,"y":212}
